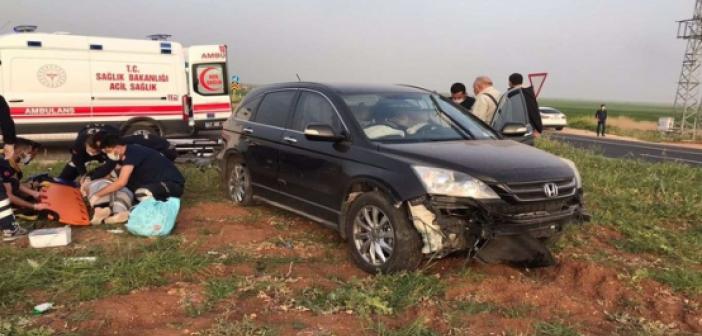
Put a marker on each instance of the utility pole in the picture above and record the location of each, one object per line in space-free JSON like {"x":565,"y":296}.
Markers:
{"x":687,"y":99}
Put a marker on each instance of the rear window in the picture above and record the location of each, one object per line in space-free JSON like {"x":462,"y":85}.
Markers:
{"x":209,"y":79}
{"x":275,"y":108}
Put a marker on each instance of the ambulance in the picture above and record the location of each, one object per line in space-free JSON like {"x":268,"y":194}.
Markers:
{"x":56,"y":83}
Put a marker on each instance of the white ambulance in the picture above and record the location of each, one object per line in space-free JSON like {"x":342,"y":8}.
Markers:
{"x":56,"y":83}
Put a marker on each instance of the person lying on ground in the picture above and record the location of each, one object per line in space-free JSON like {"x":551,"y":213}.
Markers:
{"x":25,"y":200}
{"x":155,"y":142}
{"x":143,"y":170}
{"x":81,"y":156}
{"x":109,"y":209}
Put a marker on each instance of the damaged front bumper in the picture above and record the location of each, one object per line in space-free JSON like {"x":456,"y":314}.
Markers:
{"x":449,"y":224}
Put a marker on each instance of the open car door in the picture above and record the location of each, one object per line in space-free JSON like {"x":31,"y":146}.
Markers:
{"x":512,"y":117}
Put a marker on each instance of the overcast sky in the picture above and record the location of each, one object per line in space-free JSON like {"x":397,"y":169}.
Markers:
{"x":604,"y":50}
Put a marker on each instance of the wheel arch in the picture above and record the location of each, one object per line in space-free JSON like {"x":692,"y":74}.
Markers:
{"x":129,"y":123}
{"x":362,"y":185}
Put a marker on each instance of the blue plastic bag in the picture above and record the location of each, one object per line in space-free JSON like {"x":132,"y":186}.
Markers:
{"x":152,"y":218}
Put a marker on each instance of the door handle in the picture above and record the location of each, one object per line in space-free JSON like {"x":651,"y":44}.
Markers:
{"x":290,"y":140}
{"x":247,"y":130}
{"x":16,"y":101}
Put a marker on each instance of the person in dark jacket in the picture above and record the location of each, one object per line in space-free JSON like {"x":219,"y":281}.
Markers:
{"x":25,"y":200}
{"x":601,"y":116}
{"x":80,"y":155}
{"x":460,"y":97}
{"x":516,"y":80}
{"x":155,"y":142}
{"x":8,"y":226}
{"x":144,"y":171}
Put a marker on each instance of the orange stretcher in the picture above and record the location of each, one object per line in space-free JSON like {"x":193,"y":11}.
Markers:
{"x":65,"y":204}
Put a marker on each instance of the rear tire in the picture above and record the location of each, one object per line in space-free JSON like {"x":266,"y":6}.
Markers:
{"x":381,"y":238}
{"x":560,"y":128}
{"x":239,"y":187}
{"x":142,"y":127}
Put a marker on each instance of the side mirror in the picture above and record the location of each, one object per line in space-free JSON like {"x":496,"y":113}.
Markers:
{"x":322,"y":132}
{"x":514,"y":130}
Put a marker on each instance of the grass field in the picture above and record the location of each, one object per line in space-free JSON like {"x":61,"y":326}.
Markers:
{"x":586,"y":109}
{"x":581,"y":115}
{"x":635,"y":270}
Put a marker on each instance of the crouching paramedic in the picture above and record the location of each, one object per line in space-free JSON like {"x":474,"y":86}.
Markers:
{"x":81,"y":155}
{"x":157,"y":143}
{"x":24,"y":199}
{"x":144,"y":171}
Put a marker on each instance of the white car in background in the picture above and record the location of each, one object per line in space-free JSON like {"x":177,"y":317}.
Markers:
{"x":552,"y":118}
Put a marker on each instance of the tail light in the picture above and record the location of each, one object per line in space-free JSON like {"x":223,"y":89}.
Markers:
{"x":187,"y":110}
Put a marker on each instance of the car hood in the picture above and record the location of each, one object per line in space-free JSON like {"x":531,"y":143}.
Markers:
{"x":492,"y":161}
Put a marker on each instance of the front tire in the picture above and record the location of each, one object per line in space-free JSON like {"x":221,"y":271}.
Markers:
{"x":381,"y":238}
{"x":559,"y":128}
{"x":239,"y":187}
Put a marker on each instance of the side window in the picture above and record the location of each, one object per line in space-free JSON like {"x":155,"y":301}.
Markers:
{"x":313,"y":108}
{"x":209,"y":79}
{"x":244,"y":112}
{"x":274,"y":108}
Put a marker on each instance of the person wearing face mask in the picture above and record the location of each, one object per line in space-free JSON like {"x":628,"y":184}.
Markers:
{"x":25,"y":201}
{"x":601,"y":117}
{"x":460,"y":97}
{"x":10,"y":230}
{"x":144,"y":171}
{"x":81,"y":154}
{"x":92,"y":145}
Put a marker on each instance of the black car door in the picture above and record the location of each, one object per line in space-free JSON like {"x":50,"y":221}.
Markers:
{"x":312,"y":172}
{"x":261,"y":138}
{"x":512,"y":110}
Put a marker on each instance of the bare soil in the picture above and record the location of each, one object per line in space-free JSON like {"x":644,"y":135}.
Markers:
{"x":595,"y":298}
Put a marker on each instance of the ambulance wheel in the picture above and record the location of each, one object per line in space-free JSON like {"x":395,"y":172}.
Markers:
{"x":239,"y":184}
{"x":139,"y":128}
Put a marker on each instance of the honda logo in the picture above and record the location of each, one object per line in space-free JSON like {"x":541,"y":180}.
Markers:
{"x":551,"y":190}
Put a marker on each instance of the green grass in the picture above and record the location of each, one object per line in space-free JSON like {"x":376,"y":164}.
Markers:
{"x":473,"y":307}
{"x":21,"y":327}
{"x":656,"y":207}
{"x":581,"y":115}
{"x":554,"y":329}
{"x":383,"y":294}
{"x":586,"y":109}
{"x":118,"y":270}
{"x":244,"y":327}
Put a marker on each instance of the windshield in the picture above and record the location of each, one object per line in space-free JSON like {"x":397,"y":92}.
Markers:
{"x":412,"y":117}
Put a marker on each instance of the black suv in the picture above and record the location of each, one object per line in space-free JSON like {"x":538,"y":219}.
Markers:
{"x":399,"y":171}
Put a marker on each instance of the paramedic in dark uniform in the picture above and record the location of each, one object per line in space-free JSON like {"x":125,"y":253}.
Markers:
{"x":154,"y":142}
{"x":10,"y":229}
{"x":80,"y":155}
{"x":144,"y":171}
{"x":25,"y":201}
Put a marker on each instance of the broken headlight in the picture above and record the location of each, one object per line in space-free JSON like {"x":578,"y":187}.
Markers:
{"x":438,"y":181}
{"x":578,"y":179}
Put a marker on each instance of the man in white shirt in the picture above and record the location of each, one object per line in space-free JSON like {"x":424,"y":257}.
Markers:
{"x":486,"y":97}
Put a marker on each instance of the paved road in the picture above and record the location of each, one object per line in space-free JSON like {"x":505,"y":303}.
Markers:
{"x":631,"y":149}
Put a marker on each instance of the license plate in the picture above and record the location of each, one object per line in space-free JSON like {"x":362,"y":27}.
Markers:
{"x":213,"y":124}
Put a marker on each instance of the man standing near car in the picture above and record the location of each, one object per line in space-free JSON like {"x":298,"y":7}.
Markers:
{"x":485,"y":99}
{"x":460,"y":97}
{"x":601,"y":116}
{"x":516,"y":81}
